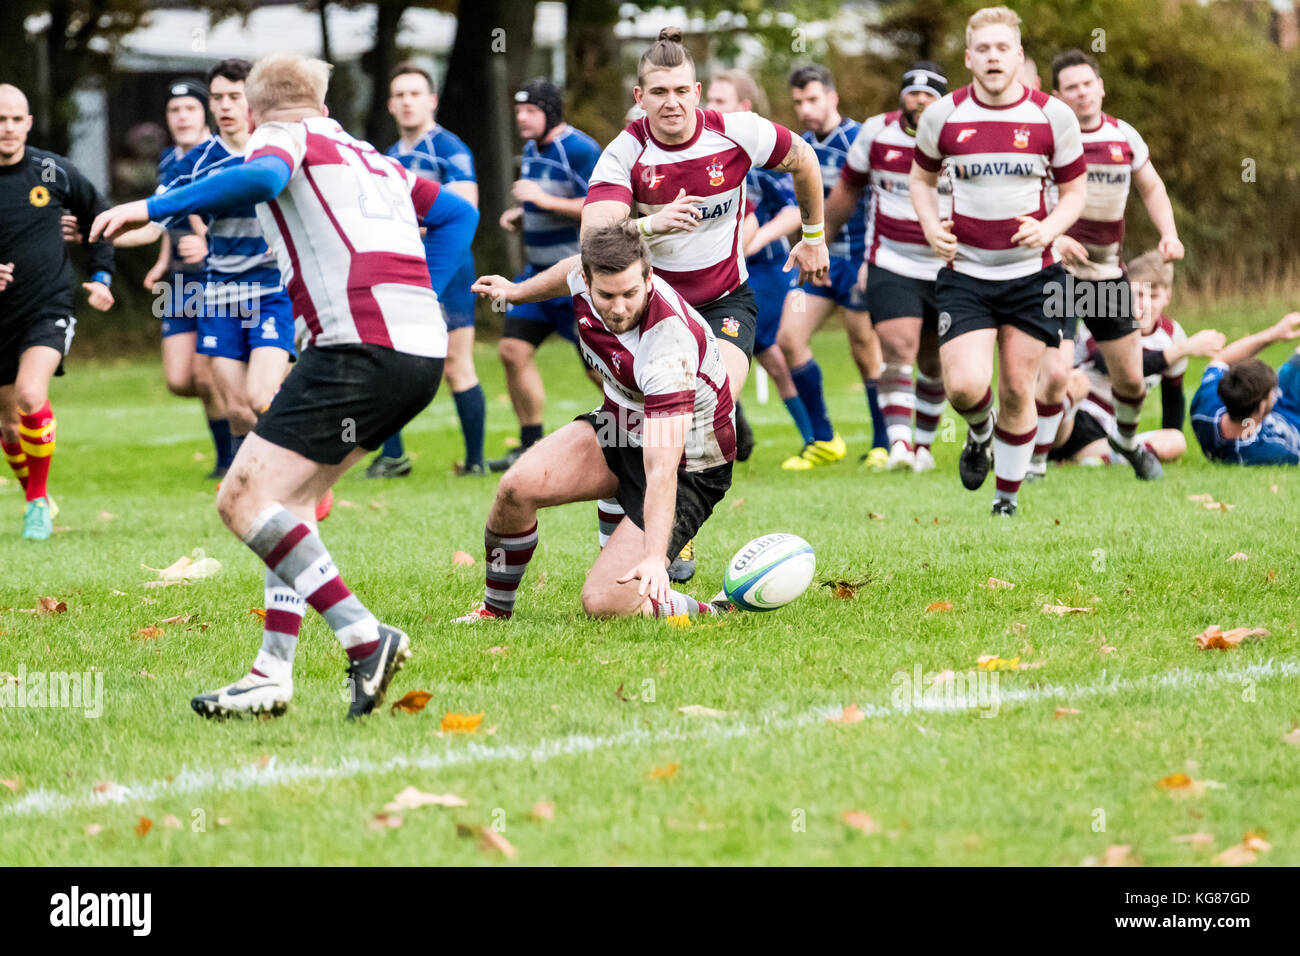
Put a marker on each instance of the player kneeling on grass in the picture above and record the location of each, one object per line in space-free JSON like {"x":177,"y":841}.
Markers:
{"x":1089,"y":421}
{"x":375,"y":348}
{"x":1244,"y":413}
{"x":662,"y":443}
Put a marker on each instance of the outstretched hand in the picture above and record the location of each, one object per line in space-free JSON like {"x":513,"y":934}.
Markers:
{"x":111,"y":223}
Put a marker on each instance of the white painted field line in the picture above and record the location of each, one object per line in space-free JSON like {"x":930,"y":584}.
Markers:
{"x":43,"y":802}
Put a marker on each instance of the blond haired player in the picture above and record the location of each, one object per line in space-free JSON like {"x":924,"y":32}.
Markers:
{"x":344,"y":221}
{"x":1001,"y":143}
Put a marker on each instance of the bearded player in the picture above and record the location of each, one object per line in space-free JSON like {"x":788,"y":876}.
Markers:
{"x":1098,"y":294}
{"x":830,"y":135}
{"x":344,"y":221}
{"x":772,"y":218}
{"x":684,"y":168}
{"x":901,"y":268}
{"x":662,"y":443}
{"x":1001,"y":142}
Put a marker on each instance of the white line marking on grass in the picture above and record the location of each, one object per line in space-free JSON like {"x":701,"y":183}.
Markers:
{"x":43,"y":802}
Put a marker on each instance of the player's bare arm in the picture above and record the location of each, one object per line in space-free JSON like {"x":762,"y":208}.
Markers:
{"x":1039,"y":233}
{"x":1071,"y":250}
{"x":841,"y":202}
{"x":663,"y":445}
{"x":528,"y":190}
{"x":114,"y":222}
{"x":1285,"y":329}
{"x":783,"y":224}
{"x":142,"y":236}
{"x":1204,"y":343}
{"x":1156,"y":198}
{"x":6,"y":274}
{"x":547,"y":284}
{"x":810,"y":253}
{"x":465,"y":190}
{"x":923,"y":187}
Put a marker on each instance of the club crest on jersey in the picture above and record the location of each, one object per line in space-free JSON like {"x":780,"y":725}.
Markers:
{"x":731,"y":326}
{"x":1116,"y":154}
{"x":1021,"y":140}
{"x":618,"y":363}
{"x":39,"y":196}
{"x":966,"y":134}
{"x":714,"y":169}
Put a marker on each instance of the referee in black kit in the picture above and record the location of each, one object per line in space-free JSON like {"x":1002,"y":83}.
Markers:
{"x":36,"y":295}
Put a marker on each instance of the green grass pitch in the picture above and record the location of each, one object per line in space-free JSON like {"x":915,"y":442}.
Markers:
{"x":1001,"y":781}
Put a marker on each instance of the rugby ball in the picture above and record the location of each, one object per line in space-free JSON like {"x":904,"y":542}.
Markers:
{"x":769,"y":572}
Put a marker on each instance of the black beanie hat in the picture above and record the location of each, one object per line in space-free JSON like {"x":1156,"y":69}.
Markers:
{"x":546,"y":96}
{"x":186,"y":87}
{"x":924,"y":75}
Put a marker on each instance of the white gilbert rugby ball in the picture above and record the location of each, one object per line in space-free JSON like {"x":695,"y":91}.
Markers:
{"x":769,"y":572}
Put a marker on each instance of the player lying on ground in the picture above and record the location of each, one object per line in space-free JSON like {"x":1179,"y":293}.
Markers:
{"x":1116,"y":157}
{"x":374,"y":357}
{"x":36,"y":299}
{"x":1244,"y":413}
{"x":1089,"y":420}
{"x":662,"y":443}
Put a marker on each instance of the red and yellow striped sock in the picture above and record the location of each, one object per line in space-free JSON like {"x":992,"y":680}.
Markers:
{"x":36,"y":435}
{"x":17,"y":459}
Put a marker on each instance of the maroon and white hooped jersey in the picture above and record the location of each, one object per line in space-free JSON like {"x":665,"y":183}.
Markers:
{"x":667,"y":364}
{"x":999,"y":158}
{"x":1114,"y":152}
{"x":346,"y":235}
{"x":881,"y":157}
{"x":1100,"y":402}
{"x":637,"y":169}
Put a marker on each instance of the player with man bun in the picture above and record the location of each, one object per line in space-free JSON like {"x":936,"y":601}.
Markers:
{"x":684,"y":169}
{"x":662,"y":443}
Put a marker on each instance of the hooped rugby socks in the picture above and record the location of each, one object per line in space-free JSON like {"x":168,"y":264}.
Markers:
{"x":284,"y":613}
{"x":678,"y":604}
{"x":608,"y":514}
{"x":294,"y":551}
{"x":1011,"y":453}
{"x":929,"y":406}
{"x":1128,"y":411}
{"x":36,"y":438}
{"x":977,"y":416}
{"x":1049,"y":422}
{"x":17,"y":459}
{"x":507,"y":560}
{"x":897,"y":400}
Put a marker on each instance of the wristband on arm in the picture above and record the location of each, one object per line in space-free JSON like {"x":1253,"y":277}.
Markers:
{"x":814,"y":234}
